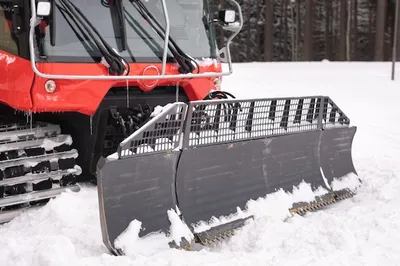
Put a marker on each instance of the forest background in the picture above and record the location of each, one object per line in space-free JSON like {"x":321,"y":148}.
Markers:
{"x":314,"y":30}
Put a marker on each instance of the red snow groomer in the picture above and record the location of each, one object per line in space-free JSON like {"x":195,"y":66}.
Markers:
{"x":127,"y":93}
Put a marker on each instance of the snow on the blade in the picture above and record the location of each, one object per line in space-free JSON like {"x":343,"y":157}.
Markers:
{"x":303,"y":192}
{"x":142,"y":248}
{"x":178,"y":229}
{"x":129,"y":236}
{"x":113,"y":156}
{"x":275,"y":205}
{"x":159,"y":109}
{"x":363,"y":230}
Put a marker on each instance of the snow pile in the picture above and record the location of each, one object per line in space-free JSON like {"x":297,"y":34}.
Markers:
{"x":350,"y":181}
{"x":129,"y":237}
{"x":58,"y":234}
{"x":137,"y":248}
{"x":275,"y":206}
{"x":363,"y":230}
{"x":48,"y":252}
{"x":179,"y":230}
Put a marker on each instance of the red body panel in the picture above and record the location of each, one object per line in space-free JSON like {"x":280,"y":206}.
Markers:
{"x":84,"y":96}
{"x":16,"y":78}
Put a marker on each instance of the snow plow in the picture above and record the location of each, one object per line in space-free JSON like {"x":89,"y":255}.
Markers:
{"x":209,"y":162}
{"x":126,"y":94}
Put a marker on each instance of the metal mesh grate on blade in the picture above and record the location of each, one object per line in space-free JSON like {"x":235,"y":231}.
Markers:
{"x":332,"y":116}
{"x":162,"y":133}
{"x":228,"y":120}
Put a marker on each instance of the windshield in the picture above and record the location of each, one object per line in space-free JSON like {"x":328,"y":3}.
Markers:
{"x":72,"y":44}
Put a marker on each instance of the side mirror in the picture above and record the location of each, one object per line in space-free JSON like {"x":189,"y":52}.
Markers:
{"x":43,"y":8}
{"x":227,"y":16}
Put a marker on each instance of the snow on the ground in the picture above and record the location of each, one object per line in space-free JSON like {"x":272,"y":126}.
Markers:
{"x":364,"y":230}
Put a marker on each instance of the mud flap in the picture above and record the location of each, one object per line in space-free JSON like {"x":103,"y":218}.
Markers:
{"x":138,"y":183}
{"x":222,"y":153}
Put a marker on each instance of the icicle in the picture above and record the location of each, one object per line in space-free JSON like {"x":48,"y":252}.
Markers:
{"x":91,"y":125}
{"x":31,"y":119}
{"x":127,"y":94}
{"x":177,"y":92}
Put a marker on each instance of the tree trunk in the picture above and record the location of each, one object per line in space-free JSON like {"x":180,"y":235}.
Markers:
{"x":298,"y":30}
{"x":343,"y":30}
{"x":281,"y":32}
{"x":308,"y":33}
{"x":380,"y":30}
{"x":269,"y":30}
{"x":370,"y":31}
{"x":286,"y":31}
{"x":248,"y":45}
{"x":398,"y":34}
{"x":348,"y":31}
{"x":336,"y":30}
{"x":354,"y":31}
{"x":328,"y":27}
{"x":293,"y":34}
{"x":258,"y":33}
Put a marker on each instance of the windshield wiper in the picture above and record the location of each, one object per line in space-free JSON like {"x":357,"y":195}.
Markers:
{"x":118,"y":8}
{"x":184,"y":60}
{"x":114,"y":60}
{"x":120,"y":11}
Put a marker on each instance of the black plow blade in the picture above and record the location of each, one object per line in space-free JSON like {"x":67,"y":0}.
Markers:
{"x":139,"y":181}
{"x":208,"y":162}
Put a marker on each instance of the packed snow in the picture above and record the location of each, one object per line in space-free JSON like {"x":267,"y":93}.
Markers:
{"x":363,"y":230}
